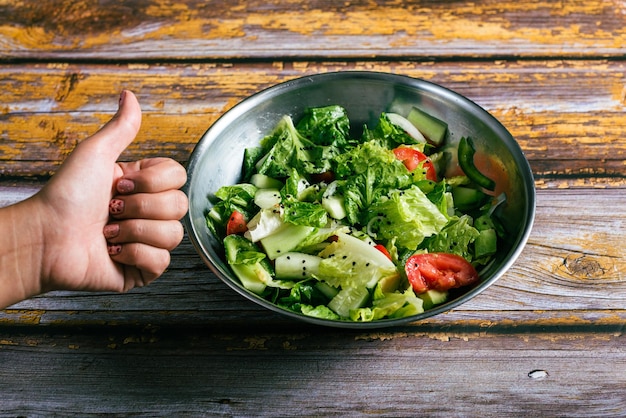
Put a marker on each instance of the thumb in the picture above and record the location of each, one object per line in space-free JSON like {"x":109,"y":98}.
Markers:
{"x":118,"y":133}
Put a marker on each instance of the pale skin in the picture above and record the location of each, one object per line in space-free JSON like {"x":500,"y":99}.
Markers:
{"x":71,"y":235}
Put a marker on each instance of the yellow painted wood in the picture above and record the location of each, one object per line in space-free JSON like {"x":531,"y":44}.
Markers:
{"x":569,"y":119}
{"x":197,"y":29}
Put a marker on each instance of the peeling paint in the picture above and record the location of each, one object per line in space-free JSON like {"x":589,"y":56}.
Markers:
{"x":75,"y":26}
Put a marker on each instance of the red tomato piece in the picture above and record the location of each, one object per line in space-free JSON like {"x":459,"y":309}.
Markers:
{"x":383,"y":250}
{"x":411,"y":158}
{"x":236,"y":224}
{"x":439,"y":271}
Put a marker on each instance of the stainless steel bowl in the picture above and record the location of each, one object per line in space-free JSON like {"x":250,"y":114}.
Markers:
{"x":217,"y":160}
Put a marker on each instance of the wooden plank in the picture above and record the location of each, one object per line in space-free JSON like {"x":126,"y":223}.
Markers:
{"x":545,"y":340}
{"x":243,"y":29}
{"x":571,"y":272}
{"x":47,"y":109}
{"x":499,"y":371}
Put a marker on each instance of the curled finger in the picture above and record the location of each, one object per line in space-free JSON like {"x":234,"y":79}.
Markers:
{"x":167,"y":205}
{"x":150,"y":261}
{"x":151,"y":175}
{"x":161,"y":234}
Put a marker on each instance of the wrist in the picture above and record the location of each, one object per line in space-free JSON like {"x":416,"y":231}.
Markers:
{"x":21,"y":252}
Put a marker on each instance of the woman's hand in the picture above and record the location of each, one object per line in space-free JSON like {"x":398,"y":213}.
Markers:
{"x":97,"y":225}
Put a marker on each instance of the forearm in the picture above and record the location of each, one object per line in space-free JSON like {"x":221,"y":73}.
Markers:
{"x":21,"y":252}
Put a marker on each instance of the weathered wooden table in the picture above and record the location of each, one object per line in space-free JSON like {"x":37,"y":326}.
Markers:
{"x":546,"y":340}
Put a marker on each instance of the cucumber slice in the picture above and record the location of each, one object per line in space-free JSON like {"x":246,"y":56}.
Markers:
{"x":296,"y":266}
{"x":326,"y":289}
{"x":432,"y":128}
{"x":348,"y":299}
{"x":433,"y":297}
{"x":334,"y":205}
{"x":265,"y":182}
{"x":249,"y":275}
{"x":267,"y":198}
{"x":285,"y":239}
{"x":486,"y":244}
{"x":466,"y":198}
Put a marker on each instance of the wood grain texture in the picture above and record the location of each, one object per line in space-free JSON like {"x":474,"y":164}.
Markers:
{"x":242,"y":29}
{"x":572,"y":271}
{"x":546,"y":339}
{"x":455,"y":372}
{"x":569,"y":119}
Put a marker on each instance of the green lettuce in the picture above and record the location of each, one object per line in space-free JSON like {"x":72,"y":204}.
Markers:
{"x":326,"y":125}
{"x":319,"y":311}
{"x":305,"y":298}
{"x":285,"y":148}
{"x":406,"y":215}
{"x":304,"y":213}
{"x":389,"y":135}
{"x":368,"y":171}
{"x":227,"y":199}
{"x":455,"y":238}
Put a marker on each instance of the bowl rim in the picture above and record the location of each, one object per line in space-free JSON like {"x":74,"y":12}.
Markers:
{"x":411,"y":82}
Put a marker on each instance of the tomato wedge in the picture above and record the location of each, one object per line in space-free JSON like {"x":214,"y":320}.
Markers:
{"x":411,"y":158}
{"x":236,"y":224}
{"x":382,"y":249}
{"x":439,"y":271}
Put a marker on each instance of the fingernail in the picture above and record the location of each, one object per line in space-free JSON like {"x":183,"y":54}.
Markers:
{"x":114,"y":249}
{"x":111,"y":230}
{"x":116,"y":206}
{"x":125,"y":186}
{"x":122,"y":97}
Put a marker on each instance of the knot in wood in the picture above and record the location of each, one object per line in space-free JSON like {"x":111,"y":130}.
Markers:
{"x":583,"y":267}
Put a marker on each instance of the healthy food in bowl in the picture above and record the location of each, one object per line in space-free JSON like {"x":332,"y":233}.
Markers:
{"x":359,"y":199}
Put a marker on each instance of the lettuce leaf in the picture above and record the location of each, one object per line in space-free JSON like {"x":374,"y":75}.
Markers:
{"x":326,"y":125}
{"x":454,"y":238}
{"x":305,"y":298}
{"x":406,"y":215}
{"x":319,"y":311}
{"x":368,"y":171}
{"x":286,"y":148}
{"x":304,"y":213}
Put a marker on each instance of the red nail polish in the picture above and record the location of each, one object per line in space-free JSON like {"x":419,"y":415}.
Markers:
{"x":114,"y":249}
{"x":111,"y":230}
{"x":125,"y":186}
{"x":116,"y":206}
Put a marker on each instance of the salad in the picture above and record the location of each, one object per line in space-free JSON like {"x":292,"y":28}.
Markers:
{"x":357,"y":228}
